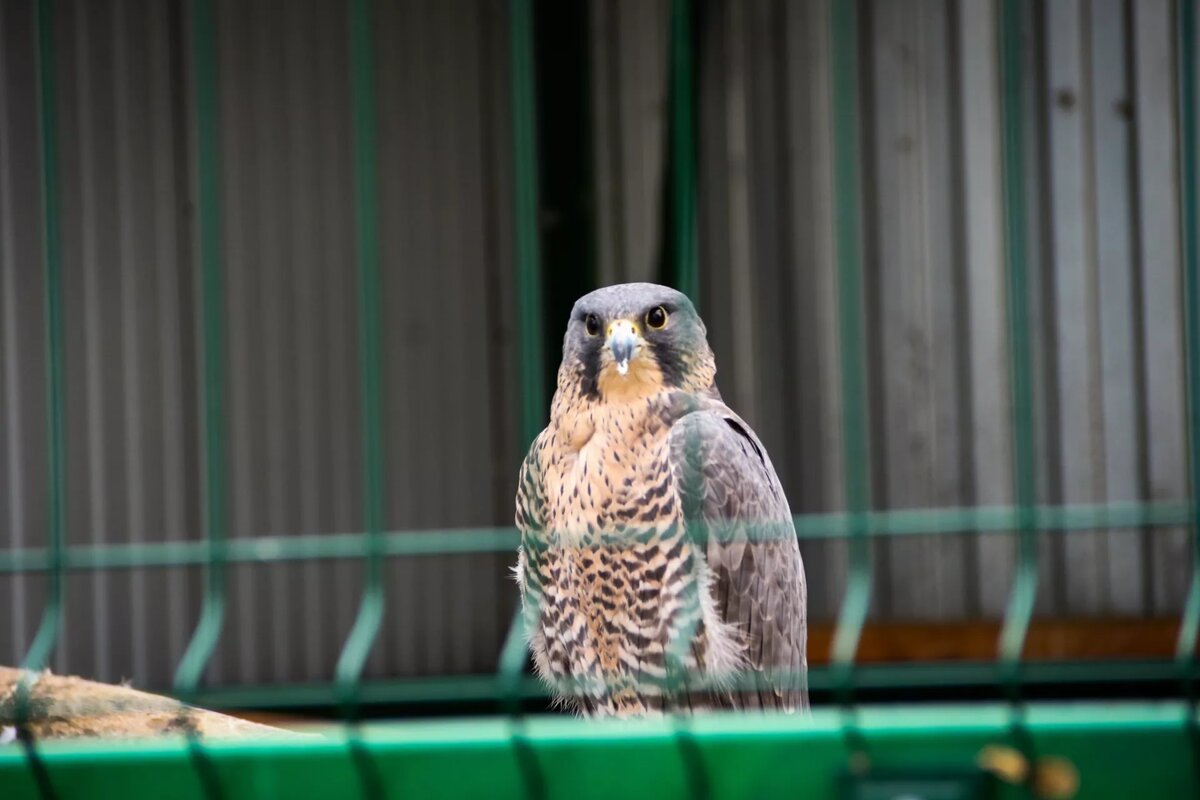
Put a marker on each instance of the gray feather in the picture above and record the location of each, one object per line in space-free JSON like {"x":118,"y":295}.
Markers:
{"x":752,"y":550}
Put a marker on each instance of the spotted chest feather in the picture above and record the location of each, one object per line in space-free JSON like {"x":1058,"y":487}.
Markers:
{"x":618,"y":580}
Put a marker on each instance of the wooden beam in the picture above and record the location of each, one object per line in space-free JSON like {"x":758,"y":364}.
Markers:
{"x":1049,"y":640}
{"x":64,"y":707}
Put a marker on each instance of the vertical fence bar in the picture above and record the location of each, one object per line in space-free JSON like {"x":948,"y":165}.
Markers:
{"x":529,"y":337}
{"x":1020,"y":605}
{"x":48,"y":630}
{"x":212,"y":616}
{"x":51,"y":622}
{"x":528,"y":266}
{"x":1188,"y":144}
{"x":1024,"y":591}
{"x":513,"y":656}
{"x":370,"y":614}
{"x":683,"y":225}
{"x":366,"y":218}
{"x":853,"y":612}
{"x":208,"y":631}
{"x":683,"y":152}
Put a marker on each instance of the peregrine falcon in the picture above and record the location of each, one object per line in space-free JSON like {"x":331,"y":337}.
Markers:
{"x":656,"y":541}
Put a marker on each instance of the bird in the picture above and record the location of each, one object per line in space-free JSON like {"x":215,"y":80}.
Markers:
{"x":658,"y":566}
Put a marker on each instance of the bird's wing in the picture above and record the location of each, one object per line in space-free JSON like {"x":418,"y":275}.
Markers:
{"x":728,"y":485}
{"x":540,"y":602}
{"x":530,"y":519}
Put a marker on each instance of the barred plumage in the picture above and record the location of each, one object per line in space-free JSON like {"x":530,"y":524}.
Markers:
{"x":655,"y":534}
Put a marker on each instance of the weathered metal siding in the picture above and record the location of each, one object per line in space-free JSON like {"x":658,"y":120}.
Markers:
{"x":130,"y":399}
{"x":291,"y":326}
{"x":1103,"y":253}
{"x":1102,"y":188}
{"x":22,"y":422}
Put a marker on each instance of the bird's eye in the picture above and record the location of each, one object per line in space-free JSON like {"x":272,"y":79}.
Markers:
{"x":656,"y":318}
{"x":591,"y":323}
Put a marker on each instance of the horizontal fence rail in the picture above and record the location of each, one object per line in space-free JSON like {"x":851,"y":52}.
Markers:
{"x":454,"y":541}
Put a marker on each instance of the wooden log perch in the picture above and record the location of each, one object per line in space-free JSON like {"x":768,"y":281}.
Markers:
{"x":64,"y":707}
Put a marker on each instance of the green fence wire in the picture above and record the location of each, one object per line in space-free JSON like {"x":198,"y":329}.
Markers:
{"x":683,"y":152}
{"x":981,"y":520}
{"x":1189,"y":142}
{"x":365,"y":631}
{"x":208,"y":631}
{"x":686,"y":269}
{"x":51,"y":624}
{"x":1019,"y":612}
{"x":528,"y":265}
{"x":212,"y":616}
{"x":514,"y":653}
{"x":853,"y":612}
{"x":858,"y":524}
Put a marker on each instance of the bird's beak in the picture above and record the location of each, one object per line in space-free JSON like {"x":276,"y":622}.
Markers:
{"x":623,"y":340}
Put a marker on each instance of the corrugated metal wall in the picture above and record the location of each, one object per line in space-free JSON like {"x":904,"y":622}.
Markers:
{"x":291,"y":326}
{"x":1104,"y":258}
{"x":1103,"y":253}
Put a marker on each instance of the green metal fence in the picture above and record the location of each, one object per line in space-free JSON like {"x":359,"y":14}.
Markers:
{"x":1119,"y":749}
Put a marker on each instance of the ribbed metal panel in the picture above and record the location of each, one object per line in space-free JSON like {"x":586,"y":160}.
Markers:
{"x":1104,"y":260}
{"x":294,"y":454}
{"x":130,"y":410}
{"x":22,"y":343}
{"x":1106,"y":299}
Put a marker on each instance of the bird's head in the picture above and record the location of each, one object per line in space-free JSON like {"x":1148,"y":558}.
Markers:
{"x":633,"y":340}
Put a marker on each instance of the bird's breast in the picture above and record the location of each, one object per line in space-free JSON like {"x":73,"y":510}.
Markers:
{"x":616,"y":565}
{"x":603,"y":462}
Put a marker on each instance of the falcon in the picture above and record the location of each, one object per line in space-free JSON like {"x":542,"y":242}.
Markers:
{"x":658,"y":567}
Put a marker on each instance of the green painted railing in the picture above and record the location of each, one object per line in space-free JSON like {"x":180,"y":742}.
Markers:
{"x":1133,"y":746}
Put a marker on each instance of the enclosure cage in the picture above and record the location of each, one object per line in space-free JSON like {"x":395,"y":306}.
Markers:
{"x":1022,"y":738}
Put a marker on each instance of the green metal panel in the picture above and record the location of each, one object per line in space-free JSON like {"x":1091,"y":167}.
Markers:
{"x":1119,"y":751}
